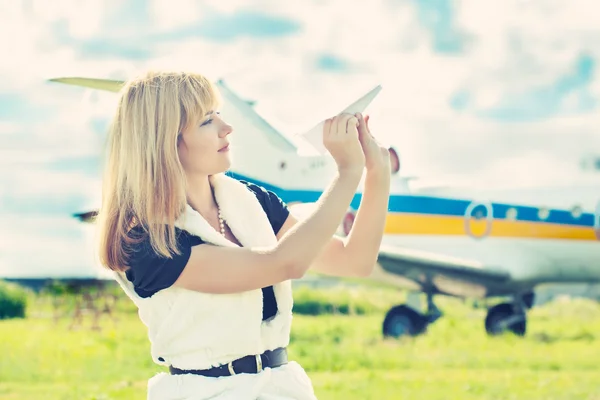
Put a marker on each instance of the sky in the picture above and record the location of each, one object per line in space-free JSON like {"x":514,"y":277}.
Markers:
{"x":471,"y":89}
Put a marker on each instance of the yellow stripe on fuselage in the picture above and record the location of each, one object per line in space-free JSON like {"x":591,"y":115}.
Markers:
{"x":427,"y":224}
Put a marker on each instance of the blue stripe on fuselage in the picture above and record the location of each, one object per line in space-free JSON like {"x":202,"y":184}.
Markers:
{"x":400,"y":203}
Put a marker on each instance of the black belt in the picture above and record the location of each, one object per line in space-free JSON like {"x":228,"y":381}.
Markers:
{"x":245,"y":365}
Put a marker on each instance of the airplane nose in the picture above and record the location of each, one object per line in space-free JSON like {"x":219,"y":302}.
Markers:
{"x":348,"y":222}
{"x":395,"y":160}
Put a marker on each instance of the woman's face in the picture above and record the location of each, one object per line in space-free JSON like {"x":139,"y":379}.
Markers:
{"x":204,"y":148}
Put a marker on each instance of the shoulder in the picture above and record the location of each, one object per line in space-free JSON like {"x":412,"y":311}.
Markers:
{"x":275,"y":208}
{"x":255,"y":188}
{"x":149,"y":271}
{"x":264,"y":195}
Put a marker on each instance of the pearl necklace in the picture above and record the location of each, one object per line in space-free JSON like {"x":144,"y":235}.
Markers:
{"x":221,"y":223}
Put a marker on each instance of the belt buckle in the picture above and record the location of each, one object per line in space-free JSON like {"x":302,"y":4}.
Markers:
{"x":258,"y":360}
{"x":230,"y":368}
{"x":259,"y":366}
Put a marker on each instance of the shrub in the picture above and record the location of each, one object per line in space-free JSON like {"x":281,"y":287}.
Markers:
{"x":13,"y":301}
{"x":341,"y":300}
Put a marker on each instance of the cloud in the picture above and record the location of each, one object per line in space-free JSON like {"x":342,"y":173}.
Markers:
{"x":46,"y":191}
{"x":550,"y":151}
{"x":520,"y":70}
{"x":438,"y":17}
{"x":42,"y":246}
{"x":568,"y":93}
{"x":330,"y":62}
{"x":226,"y":27}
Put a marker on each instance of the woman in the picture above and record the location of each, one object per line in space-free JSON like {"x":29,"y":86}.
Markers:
{"x":208,"y":259}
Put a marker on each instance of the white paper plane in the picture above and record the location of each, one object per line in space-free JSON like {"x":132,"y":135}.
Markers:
{"x":314,"y":136}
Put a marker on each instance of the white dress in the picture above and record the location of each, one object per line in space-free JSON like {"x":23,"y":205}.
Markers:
{"x":193,"y":330}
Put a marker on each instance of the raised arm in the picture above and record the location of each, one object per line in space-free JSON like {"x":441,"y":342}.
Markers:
{"x":356,"y":254}
{"x":215,"y":269}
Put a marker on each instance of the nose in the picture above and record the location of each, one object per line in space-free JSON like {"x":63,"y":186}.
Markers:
{"x":225,"y":130}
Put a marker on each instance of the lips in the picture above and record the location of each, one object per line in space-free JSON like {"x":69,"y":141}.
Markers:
{"x":224,"y":148}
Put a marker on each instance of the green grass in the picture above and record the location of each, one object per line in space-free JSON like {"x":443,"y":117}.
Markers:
{"x":344,"y":354}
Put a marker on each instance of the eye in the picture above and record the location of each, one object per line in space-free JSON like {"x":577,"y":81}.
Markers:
{"x":209,"y":121}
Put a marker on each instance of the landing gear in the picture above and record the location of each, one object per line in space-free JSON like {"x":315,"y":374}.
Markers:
{"x":506,"y":317}
{"x":403,"y":320}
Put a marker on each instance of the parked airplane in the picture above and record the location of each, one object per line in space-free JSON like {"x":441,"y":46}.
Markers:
{"x":454,"y":241}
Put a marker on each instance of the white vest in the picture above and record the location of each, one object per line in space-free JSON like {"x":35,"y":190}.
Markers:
{"x":193,"y":330}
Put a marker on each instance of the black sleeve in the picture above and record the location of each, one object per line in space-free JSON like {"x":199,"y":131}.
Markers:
{"x":150,"y":272}
{"x":276,"y":210}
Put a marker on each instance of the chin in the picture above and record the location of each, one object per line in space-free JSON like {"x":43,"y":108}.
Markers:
{"x":215,"y":166}
{"x":223,"y":167}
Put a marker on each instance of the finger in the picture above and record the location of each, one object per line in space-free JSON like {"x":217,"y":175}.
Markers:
{"x":352,"y":126}
{"x":327,"y":127}
{"x":342,"y":122}
{"x":333,"y":121}
{"x":367,"y":124}
{"x":362,"y":126}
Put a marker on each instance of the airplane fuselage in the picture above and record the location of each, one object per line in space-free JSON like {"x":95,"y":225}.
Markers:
{"x":538,"y":235}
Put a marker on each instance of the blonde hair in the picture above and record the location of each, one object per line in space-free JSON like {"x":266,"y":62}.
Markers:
{"x":144,"y":183}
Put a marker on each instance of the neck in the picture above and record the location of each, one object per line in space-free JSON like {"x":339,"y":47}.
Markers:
{"x":200,"y":196}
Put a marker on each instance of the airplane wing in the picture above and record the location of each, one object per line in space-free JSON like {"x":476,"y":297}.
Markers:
{"x":441,"y":273}
{"x":87,"y":216}
{"x":110,"y":85}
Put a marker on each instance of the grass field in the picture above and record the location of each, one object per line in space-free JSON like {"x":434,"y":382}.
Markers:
{"x":344,"y":354}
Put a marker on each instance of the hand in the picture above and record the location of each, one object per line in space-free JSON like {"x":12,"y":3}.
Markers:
{"x":340,"y":137}
{"x":377,"y":156}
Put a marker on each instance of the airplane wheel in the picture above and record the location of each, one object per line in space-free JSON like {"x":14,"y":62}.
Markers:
{"x":528,"y":299}
{"x":503,"y":317}
{"x":403,"y":321}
